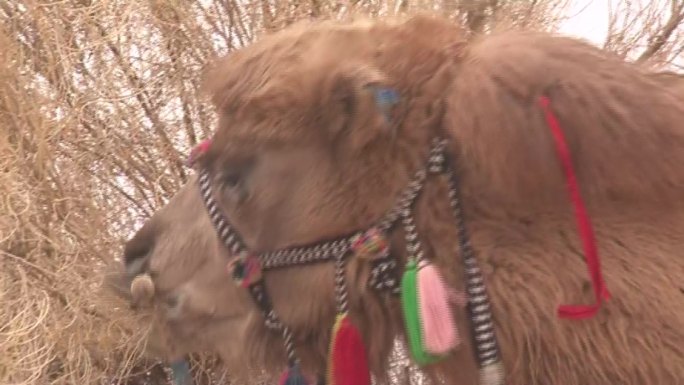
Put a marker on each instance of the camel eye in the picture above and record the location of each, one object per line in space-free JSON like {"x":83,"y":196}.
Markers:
{"x":231,"y":180}
{"x":233,"y":184}
{"x":233,"y":177}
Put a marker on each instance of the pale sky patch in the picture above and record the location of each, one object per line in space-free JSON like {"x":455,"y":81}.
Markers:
{"x":588,"y":20}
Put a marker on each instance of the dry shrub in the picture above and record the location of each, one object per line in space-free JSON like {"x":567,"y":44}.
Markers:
{"x":53,"y":325}
{"x":98,"y":107}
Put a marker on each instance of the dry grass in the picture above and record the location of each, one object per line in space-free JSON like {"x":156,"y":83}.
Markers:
{"x":98,"y":108}
{"x":53,"y":325}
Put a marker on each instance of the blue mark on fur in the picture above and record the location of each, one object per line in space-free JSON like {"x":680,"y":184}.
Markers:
{"x":385,"y":99}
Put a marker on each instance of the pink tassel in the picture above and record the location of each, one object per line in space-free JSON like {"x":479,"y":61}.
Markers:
{"x":439,"y":330}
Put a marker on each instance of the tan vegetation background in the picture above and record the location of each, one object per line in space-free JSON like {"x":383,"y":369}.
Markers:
{"x":98,"y":109}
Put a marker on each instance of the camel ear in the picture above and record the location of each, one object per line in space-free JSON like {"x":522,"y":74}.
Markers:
{"x":358,"y":104}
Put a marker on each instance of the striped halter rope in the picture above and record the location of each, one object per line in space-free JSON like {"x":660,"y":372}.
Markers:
{"x":247,"y":267}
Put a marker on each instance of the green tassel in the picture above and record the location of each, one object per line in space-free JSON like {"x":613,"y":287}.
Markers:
{"x":409,"y":301}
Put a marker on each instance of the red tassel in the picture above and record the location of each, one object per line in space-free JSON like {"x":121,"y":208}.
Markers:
{"x":439,"y":331}
{"x":293,"y":376}
{"x":347,"y":363}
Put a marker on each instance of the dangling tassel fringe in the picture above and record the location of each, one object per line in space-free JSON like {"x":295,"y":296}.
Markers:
{"x":347,"y":361}
{"x":439,"y":332}
{"x":293,"y":376}
{"x":412,"y":321}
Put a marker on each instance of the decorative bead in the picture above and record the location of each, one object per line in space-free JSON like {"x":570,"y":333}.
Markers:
{"x":197,"y":151}
{"x":370,"y":245}
{"x":245,"y":270}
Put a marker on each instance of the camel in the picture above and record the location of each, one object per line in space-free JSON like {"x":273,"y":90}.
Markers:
{"x":323,"y":125}
{"x":672,"y":80}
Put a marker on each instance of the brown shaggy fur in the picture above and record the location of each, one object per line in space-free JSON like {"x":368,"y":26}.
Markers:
{"x":672,"y":80}
{"x":315,"y":159}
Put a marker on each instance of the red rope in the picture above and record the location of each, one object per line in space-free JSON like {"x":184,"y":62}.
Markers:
{"x":583,"y":222}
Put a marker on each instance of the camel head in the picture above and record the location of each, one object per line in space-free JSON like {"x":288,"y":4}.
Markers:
{"x":321,"y":128}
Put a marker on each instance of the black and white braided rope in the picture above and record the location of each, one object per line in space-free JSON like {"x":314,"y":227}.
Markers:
{"x":482,"y":323}
{"x":383,"y":274}
{"x":341,"y":285}
{"x":413,"y":246}
{"x":271,"y":320}
{"x":230,"y":238}
{"x":292,"y":358}
{"x":305,"y":255}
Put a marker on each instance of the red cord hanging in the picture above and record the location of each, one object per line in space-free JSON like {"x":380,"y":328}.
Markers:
{"x":583,"y":222}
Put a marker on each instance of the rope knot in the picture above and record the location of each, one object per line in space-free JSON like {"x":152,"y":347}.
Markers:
{"x":245,"y":270}
{"x":371,"y":244}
